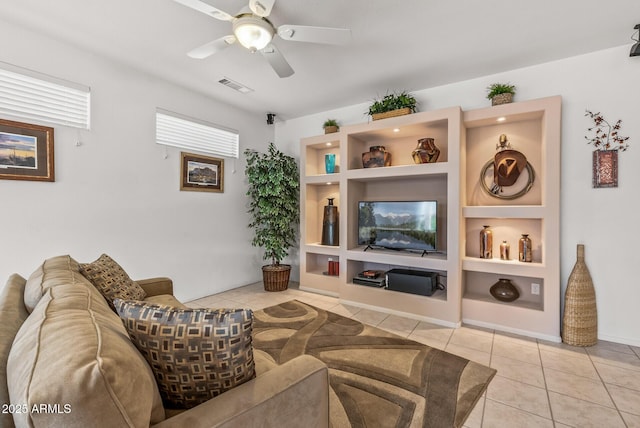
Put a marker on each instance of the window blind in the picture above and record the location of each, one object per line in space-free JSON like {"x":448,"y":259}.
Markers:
{"x":192,"y":134}
{"x":28,"y":95}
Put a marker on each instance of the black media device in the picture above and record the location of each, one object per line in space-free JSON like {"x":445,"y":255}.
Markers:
{"x":420,"y":282}
{"x":372,"y":278}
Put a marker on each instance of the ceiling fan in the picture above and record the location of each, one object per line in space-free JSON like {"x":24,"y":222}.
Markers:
{"x":254,"y":31}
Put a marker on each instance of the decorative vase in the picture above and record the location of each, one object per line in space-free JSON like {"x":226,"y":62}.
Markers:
{"x":580,"y":319}
{"x":505,"y":98}
{"x":504,"y":290}
{"x":486,"y":243}
{"x":504,"y":250}
{"x":605,"y":168}
{"x":377,"y":156}
{"x":331,"y":129}
{"x":330,"y":229}
{"x":426,"y":151}
{"x":524,"y":249}
{"x":330,"y":163}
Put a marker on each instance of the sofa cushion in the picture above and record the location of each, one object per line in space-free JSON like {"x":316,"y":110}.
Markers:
{"x":74,"y":352}
{"x":195,"y":354}
{"x":54,"y":271}
{"x":165,"y":299}
{"x":111,"y":280}
{"x":12,"y":315}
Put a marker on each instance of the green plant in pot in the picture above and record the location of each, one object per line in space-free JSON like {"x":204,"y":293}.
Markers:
{"x":330,"y":126}
{"x":398,"y":102}
{"x":500,"y":93}
{"x":274,"y":209}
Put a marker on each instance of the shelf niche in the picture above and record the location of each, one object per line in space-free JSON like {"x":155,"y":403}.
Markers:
{"x":316,"y":198}
{"x":504,"y":229}
{"x":399,"y":144}
{"x":476,"y":286}
{"x":430,"y":188}
{"x":315,"y":151}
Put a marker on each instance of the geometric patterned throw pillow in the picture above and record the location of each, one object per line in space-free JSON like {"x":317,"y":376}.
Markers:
{"x":195,"y":354}
{"x":111,"y":280}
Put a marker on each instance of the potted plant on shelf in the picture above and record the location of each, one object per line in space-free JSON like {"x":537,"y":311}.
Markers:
{"x":330,"y":126}
{"x":396,"y":104}
{"x":500,"y":93}
{"x":274,"y":209}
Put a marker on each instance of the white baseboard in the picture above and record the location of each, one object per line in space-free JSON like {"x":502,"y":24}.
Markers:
{"x":497,"y":327}
{"x":402,"y":314}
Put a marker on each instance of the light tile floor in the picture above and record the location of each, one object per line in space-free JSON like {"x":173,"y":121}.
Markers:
{"x":539,"y":384}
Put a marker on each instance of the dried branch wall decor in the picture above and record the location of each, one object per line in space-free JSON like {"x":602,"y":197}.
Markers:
{"x":608,"y":142}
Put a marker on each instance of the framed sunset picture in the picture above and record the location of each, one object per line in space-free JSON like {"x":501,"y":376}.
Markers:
{"x":26,"y":151}
{"x":201,"y":173}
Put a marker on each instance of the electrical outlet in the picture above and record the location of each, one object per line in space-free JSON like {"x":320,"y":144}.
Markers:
{"x":535,"y":289}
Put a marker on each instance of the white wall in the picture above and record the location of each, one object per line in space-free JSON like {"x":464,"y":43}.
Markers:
{"x":116,"y":193}
{"x":605,"y":220}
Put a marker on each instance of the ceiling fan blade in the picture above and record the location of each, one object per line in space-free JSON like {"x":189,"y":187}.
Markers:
{"x":301,"y":33}
{"x":210,"y":48}
{"x":261,"y":7}
{"x":206,"y":8}
{"x":277,"y":61}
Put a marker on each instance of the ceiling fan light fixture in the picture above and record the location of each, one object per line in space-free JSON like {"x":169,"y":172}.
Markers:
{"x":253,"y":32}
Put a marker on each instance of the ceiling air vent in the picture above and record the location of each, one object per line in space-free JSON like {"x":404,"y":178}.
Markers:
{"x":235,"y":85}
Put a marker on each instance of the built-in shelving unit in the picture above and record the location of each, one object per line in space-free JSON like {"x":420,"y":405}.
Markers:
{"x":403,"y":181}
{"x":315,"y":187}
{"x":466,"y":140}
{"x":532,"y":128}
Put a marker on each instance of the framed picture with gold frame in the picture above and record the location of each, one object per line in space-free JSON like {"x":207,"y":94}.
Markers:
{"x":26,"y":151}
{"x":201,"y":173}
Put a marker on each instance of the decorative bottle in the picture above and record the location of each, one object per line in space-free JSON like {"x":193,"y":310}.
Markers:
{"x":580,"y":319}
{"x":524,"y":249}
{"x":504,"y":250}
{"x":330,"y":223}
{"x":486,"y":243}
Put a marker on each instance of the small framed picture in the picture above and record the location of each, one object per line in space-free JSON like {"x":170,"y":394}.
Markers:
{"x":26,"y":151}
{"x":201,"y":173}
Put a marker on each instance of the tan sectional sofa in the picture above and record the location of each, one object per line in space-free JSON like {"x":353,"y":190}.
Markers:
{"x":66,"y":360}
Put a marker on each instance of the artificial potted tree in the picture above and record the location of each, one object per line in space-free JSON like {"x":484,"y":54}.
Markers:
{"x":330,"y":126}
{"x":274,"y":209}
{"x":500,"y":93}
{"x":395,"y":104}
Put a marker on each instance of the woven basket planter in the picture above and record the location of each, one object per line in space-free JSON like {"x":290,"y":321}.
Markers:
{"x":505,"y":98}
{"x":392,"y":113}
{"x":276,"y":277}
{"x":330,"y":129}
{"x":580,"y":320}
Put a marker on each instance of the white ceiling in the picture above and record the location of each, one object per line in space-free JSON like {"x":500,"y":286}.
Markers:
{"x":397,"y":44}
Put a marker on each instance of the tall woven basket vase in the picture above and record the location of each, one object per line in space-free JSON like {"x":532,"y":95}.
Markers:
{"x":580,"y":320}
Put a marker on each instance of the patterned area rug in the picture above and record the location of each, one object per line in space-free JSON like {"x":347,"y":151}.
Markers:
{"x":377,"y":379}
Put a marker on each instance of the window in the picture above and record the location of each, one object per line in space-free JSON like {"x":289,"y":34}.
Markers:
{"x":27,"y":95}
{"x":192,"y":134}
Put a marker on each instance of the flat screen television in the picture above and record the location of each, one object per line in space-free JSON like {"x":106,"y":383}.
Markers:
{"x":407,"y":225}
